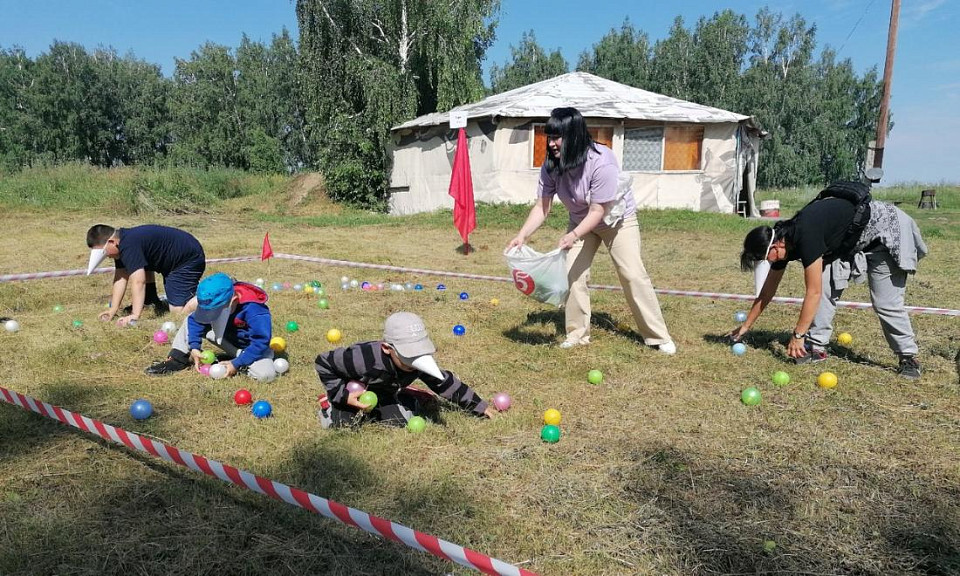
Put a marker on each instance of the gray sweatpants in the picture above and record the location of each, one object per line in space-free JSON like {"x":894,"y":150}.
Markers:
{"x":262,"y":370}
{"x":888,"y":286}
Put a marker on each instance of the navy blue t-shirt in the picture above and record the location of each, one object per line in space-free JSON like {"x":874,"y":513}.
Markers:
{"x":159,"y":249}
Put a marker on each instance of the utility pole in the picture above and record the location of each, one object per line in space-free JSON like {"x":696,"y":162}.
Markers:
{"x":877,"y":171}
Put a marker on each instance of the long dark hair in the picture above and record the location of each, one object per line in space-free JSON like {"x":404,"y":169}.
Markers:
{"x":760,"y":239}
{"x":568,"y":124}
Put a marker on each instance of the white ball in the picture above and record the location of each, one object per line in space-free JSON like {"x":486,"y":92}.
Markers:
{"x":259,"y":281}
{"x":354,"y":283}
{"x":218,"y":371}
{"x":344,"y":285}
{"x":12,"y":326}
{"x":281,"y":365}
{"x":297,"y":288}
{"x":169,"y":327}
{"x":344,"y":279}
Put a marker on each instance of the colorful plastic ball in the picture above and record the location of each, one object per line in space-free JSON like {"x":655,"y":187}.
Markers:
{"x":58,"y":308}
{"x":769,"y":546}
{"x":781,"y":378}
{"x":459,"y":330}
{"x":550,"y":433}
{"x":242,"y":397}
{"x":501,"y":401}
{"x":344,"y":285}
{"x":333,"y":335}
{"x":595,"y":377}
{"x":308,"y":289}
{"x":79,"y":324}
{"x":750,"y":396}
{"x":740,"y":316}
{"x":277,"y":286}
{"x":844,"y":338}
{"x":370,"y":399}
{"x":354,"y":386}
{"x":169,"y":327}
{"x":208,"y":357}
{"x":297,"y":287}
{"x":827,"y":380}
{"x":354,"y":283}
{"x":141,"y":409}
{"x":739,"y":348}
{"x":321,"y":292}
{"x":416,"y":424}
{"x":260,"y":282}
{"x":408,"y":285}
{"x":464,"y":296}
{"x":218,"y":371}
{"x":261,"y":409}
{"x":161,"y":337}
{"x":286,"y":285}
{"x":323,"y":304}
{"x":379,"y":285}
{"x":441,"y":287}
{"x":281,"y":365}
{"x":292,"y":326}
{"x":365,"y":286}
{"x":552,"y":416}
{"x":278,"y":344}
{"x":11,"y":326}
{"x":495,"y":301}
{"x":344,"y":279}
{"x":204,"y":369}
{"x":418,"y":287}
{"x":316,"y":283}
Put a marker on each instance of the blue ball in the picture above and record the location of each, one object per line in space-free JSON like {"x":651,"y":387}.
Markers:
{"x":464,"y":295}
{"x":418,"y":287}
{"x":739,"y":348}
{"x":141,"y":409}
{"x":459,"y":330}
{"x":277,"y":286}
{"x":740,"y":316}
{"x":261,"y":409}
{"x":441,"y":287}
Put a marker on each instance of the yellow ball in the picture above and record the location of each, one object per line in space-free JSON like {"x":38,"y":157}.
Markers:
{"x":278,"y":344}
{"x":333,"y":335}
{"x":308,"y":289}
{"x":827,"y":380}
{"x":495,"y":301}
{"x":845,"y":338}
{"x":551,"y":417}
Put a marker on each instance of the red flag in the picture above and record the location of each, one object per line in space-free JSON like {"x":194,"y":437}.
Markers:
{"x":461,"y":188}
{"x":266,"y":251}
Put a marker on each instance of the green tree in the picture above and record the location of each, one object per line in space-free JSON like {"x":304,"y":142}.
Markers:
{"x":18,"y":126}
{"x":672,"y":64}
{"x":528,"y":63}
{"x":622,"y":56}
{"x":720,"y":48}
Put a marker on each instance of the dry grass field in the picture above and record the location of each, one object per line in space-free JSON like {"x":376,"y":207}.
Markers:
{"x":660,"y":470}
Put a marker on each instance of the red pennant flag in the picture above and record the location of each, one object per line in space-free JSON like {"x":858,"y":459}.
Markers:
{"x":266,"y":251}
{"x":461,"y":189}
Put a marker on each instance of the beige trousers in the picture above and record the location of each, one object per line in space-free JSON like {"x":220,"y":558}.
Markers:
{"x":623,"y":242}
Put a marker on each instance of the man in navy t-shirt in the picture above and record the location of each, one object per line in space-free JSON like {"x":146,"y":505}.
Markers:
{"x":139,"y":253}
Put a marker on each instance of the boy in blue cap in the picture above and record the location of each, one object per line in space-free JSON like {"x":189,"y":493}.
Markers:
{"x":232,"y":315}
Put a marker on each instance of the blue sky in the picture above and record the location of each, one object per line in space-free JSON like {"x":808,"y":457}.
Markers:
{"x":923,"y":145}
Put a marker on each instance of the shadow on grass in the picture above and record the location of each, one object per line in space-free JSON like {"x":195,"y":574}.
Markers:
{"x":536,"y":329}
{"x":721,"y":517}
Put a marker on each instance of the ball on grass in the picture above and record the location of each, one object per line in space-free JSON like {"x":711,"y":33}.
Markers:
{"x":204,"y":369}
{"x":161,"y":337}
{"x":58,"y":308}
{"x":292,"y":326}
{"x":739,"y":348}
{"x":827,"y":380}
{"x":552,"y":416}
{"x":595,"y":377}
{"x":740,"y":316}
{"x":416,"y":424}
{"x":845,"y":339}
{"x":169,"y":327}
{"x":278,"y":344}
{"x":242,"y":397}
{"x":218,"y":371}
{"x":494,"y":301}
{"x":750,"y":396}
{"x":281,"y":365}
{"x":781,"y":378}
{"x":11,"y":326}
{"x":459,"y":330}
{"x":141,"y":409}
{"x":261,"y":409}
{"x":502,"y":401}
{"x":78,"y":323}
{"x":334,"y":336}
{"x":323,"y":304}
{"x":464,"y":296}
{"x":550,"y":434}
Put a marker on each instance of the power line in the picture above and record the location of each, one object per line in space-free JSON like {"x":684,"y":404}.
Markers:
{"x":854,"y":29}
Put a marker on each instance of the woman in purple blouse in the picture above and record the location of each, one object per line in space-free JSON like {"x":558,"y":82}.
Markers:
{"x":586,"y":177}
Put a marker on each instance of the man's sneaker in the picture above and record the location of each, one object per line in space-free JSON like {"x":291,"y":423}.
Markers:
{"x":909,"y":367}
{"x":668,"y":348}
{"x":176,"y":362}
{"x":814,"y":354}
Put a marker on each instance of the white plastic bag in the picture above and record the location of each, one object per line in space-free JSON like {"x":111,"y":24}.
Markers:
{"x":541,"y":276}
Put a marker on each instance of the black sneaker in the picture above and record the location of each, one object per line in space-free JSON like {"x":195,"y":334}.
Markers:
{"x":909,"y":367}
{"x":175,"y":363}
{"x":161,"y":307}
{"x":814,"y":354}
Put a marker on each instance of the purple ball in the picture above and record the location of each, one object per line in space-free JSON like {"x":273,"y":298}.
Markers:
{"x":205,"y":369}
{"x":354,"y":386}
{"x":161,"y":337}
{"x":501,"y":401}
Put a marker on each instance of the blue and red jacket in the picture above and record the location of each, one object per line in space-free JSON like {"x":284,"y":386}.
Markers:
{"x":249,"y":327}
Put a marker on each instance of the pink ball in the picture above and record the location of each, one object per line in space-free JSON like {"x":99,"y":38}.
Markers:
{"x":354,"y":386}
{"x":205,"y":369}
{"x":161,"y":337}
{"x":501,"y":401}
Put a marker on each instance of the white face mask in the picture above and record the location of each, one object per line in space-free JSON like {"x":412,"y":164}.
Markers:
{"x":762,"y":268}
{"x":96,"y":257}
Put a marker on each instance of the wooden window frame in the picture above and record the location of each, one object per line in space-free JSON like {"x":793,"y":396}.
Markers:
{"x":602,"y":134}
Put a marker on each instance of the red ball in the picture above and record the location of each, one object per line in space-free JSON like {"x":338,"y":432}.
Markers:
{"x":242,"y":397}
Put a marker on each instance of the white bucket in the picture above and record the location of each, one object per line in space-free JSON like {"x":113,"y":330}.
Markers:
{"x":770,"y":208}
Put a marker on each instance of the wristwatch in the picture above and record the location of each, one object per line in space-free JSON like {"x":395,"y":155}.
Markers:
{"x":799,"y":336}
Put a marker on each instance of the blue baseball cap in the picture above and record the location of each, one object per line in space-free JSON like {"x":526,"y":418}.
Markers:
{"x":213,"y":302}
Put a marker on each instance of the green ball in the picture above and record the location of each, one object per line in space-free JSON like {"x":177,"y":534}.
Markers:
{"x":769,"y":546}
{"x":78,"y":324}
{"x":416,"y":424}
{"x":595,"y":377}
{"x":550,"y":434}
{"x":208,"y":357}
{"x":369,"y":398}
{"x":58,"y":308}
{"x":316,"y":284}
{"x":320,"y":291}
{"x":292,"y":326}
{"x":781,"y":378}
{"x":323,"y":304}
{"x":750,"y":396}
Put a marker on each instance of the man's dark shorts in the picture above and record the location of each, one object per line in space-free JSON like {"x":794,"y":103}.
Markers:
{"x":181,"y":284}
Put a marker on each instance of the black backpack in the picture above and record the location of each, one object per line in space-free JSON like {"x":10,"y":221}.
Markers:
{"x":857,"y":194}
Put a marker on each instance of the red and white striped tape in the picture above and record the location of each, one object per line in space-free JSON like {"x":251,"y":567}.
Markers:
{"x":349,"y":264}
{"x":333,"y":510}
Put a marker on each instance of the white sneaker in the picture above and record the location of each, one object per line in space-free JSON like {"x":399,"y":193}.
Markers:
{"x":668,"y":348}
{"x":567,"y":344}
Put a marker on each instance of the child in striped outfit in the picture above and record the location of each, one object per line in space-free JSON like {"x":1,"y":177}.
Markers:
{"x":387,"y":367}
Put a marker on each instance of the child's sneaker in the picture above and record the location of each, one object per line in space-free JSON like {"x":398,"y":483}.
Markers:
{"x":176,"y":362}
{"x":909,"y":367}
{"x":814,"y":354}
{"x":323,"y":414}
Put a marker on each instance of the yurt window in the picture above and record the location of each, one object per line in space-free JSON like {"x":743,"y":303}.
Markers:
{"x":600,"y":134}
{"x":662,"y":148}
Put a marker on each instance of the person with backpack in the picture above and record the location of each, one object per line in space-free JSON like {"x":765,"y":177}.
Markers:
{"x":840,"y":236}
{"x":234,"y":316}
{"x":586,"y":178}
